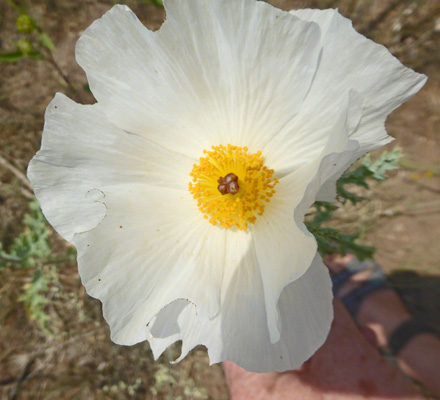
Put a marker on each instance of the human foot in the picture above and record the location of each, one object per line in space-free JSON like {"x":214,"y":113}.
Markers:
{"x":414,"y":344}
{"x":381,"y":311}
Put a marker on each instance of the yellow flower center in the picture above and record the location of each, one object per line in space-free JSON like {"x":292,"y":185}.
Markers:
{"x":231,"y":186}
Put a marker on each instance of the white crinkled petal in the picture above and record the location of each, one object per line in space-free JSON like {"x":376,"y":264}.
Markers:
{"x":333,"y":164}
{"x":123,"y":201}
{"x":216,"y":72}
{"x":351,"y":62}
{"x":152,"y":247}
{"x":338,"y":144}
{"x":112,"y":178}
{"x":304,"y":140}
{"x":81,"y":152}
{"x":285,"y":248}
{"x":240,"y":332}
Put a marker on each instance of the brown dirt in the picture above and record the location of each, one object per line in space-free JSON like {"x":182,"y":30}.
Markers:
{"x":401,"y":219}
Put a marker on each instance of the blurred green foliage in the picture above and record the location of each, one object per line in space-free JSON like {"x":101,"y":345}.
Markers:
{"x":368,"y":169}
{"x":34,"y":41}
{"x":25,"y":23}
{"x":34,"y":299}
{"x":31,"y":250}
{"x":32,"y":246}
{"x":158,"y":3}
{"x":331,"y":240}
{"x":387,"y":162}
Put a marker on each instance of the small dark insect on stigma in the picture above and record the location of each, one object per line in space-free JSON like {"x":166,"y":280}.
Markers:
{"x":228,"y":184}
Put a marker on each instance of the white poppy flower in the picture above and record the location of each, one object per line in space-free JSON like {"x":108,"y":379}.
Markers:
{"x":184,"y":187}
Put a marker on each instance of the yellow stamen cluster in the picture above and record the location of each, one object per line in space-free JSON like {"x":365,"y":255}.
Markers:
{"x":255,"y":182}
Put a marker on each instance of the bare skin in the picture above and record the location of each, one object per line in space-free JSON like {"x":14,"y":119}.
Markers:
{"x":346,"y":366}
{"x":382,"y":312}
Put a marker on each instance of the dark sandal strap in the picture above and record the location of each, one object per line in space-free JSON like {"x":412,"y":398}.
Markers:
{"x":340,"y":278}
{"x":375,"y":281}
{"x":406,"y":331}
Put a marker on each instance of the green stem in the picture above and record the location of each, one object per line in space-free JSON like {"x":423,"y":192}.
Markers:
{"x":14,"y":6}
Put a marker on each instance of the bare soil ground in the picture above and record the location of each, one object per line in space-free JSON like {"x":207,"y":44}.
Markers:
{"x":401,"y":219}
